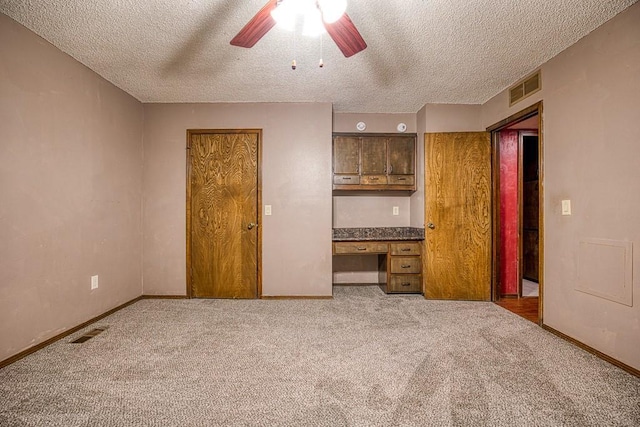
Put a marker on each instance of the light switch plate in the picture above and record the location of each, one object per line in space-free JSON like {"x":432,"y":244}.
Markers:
{"x":566,"y":207}
{"x":267,"y":209}
{"x":396,"y":210}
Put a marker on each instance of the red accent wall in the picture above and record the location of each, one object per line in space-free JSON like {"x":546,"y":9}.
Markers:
{"x":509,"y":212}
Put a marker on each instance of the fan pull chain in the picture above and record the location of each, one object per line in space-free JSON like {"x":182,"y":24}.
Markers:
{"x":293,"y":62}
{"x":321,"y":64}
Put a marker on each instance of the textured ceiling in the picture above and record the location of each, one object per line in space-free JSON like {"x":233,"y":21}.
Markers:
{"x":419,"y":51}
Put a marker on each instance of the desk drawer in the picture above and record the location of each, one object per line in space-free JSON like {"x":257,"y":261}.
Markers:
{"x":401,"y":283}
{"x":402,"y":180}
{"x":406,"y":265}
{"x":360,"y":248}
{"x":346,"y":179}
{"x":405,"y":248}
{"x":373,"y":179}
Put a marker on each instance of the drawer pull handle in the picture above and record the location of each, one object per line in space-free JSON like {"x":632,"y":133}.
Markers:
{"x":362,"y":249}
{"x":406,"y":249}
{"x":402,"y":179}
{"x":374,"y":179}
{"x":346,"y":178}
{"x":405,"y":266}
{"x":405,"y":284}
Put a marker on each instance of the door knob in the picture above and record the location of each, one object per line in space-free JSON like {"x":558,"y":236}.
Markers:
{"x":431,"y":225}
{"x":251,"y":225}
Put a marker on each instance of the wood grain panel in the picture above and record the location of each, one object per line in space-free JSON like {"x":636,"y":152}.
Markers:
{"x":360,"y":248}
{"x":374,"y":156}
{"x":458,"y":203}
{"x":402,"y":157}
{"x":530,"y":255}
{"x":346,"y":179}
{"x":373,"y":179}
{"x":223,"y":202}
{"x":402,"y":180}
{"x":530,"y":211}
{"x":346,"y":155}
{"x":405,"y":265}
{"x":405,"y":248}
{"x":405,"y":283}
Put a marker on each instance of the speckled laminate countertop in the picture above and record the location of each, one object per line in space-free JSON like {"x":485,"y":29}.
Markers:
{"x":377,"y":233}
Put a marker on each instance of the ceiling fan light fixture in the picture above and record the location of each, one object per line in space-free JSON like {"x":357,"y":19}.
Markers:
{"x":332,"y":10}
{"x":343,"y":31}
{"x":285,"y":15}
{"x":313,"y":26}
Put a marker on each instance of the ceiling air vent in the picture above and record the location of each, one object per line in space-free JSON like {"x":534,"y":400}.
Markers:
{"x":524,"y":88}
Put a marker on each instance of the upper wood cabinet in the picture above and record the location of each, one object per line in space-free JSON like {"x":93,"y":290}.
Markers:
{"x":374,"y":156}
{"x":374,"y":162}
{"x":402,"y":152}
{"x":346,"y":156}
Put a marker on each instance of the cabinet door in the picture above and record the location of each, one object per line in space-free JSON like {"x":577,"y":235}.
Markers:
{"x":374,"y":156}
{"x":402,"y":155}
{"x":346,"y":156}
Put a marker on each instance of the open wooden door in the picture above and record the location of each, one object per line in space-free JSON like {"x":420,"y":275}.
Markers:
{"x":458,"y":216}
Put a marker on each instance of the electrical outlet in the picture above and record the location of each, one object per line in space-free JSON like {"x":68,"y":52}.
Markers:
{"x":396,"y":210}
{"x":94,"y":282}
{"x":267,"y":209}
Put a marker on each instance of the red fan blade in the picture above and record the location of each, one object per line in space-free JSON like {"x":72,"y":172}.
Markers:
{"x":255,"y":29}
{"x":346,"y":36}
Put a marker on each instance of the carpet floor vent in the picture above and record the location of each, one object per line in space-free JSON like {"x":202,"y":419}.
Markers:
{"x":92,"y":333}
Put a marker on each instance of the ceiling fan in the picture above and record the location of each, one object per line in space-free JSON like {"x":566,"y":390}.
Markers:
{"x":340,"y":28}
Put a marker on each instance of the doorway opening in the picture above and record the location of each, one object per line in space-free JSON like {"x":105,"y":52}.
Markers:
{"x":518,"y":208}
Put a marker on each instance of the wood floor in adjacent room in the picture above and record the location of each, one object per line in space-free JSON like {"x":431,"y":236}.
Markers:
{"x":526,"y":307}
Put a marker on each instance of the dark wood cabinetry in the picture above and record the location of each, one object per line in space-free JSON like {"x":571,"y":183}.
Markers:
{"x":399,"y":263}
{"x":374,"y":162}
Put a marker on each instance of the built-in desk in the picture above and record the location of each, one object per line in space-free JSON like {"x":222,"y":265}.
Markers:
{"x":399,"y":254}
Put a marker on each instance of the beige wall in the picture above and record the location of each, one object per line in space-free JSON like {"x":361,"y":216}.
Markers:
{"x":370,"y":211}
{"x":453,"y":118}
{"x":376,"y":122}
{"x":296,"y":182}
{"x":591,"y":137}
{"x":70,"y":185}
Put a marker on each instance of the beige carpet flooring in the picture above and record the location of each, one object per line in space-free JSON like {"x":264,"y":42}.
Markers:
{"x":361,"y":359}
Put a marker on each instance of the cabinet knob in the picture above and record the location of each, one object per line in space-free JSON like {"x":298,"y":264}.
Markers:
{"x":431,"y":225}
{"x":251,"y":225}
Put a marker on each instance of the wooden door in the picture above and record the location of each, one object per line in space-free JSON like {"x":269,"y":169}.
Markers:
{"x":222,"y":213}
{"x":458,"y":216}
{"x":402,"y":151}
